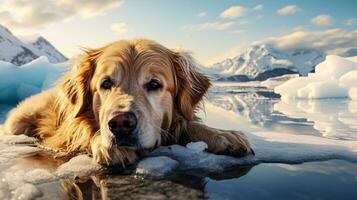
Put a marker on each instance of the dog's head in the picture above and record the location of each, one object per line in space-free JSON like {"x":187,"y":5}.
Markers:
{"x":137,"y":91}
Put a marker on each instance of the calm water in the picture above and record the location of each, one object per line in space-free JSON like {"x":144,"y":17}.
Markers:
{"x":240,"y":107}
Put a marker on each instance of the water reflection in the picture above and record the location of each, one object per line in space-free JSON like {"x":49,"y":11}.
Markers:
{"x":178,"y":186}
{"x":333,"y":179}
{"x":332,"y":118}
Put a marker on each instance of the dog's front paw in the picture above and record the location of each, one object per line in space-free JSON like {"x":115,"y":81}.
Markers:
{"x":111,"y":156}
{"x":233,"y":143}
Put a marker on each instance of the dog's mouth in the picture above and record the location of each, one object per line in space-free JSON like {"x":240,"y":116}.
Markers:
{"x":129,"y":142}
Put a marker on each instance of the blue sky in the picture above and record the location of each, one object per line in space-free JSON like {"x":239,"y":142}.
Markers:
{"x":198,"y":26}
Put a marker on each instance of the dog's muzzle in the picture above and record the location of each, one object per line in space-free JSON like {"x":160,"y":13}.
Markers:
{"x":124,"y":127}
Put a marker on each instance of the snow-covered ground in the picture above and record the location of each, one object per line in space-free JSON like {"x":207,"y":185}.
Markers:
{"x":336,"y":77}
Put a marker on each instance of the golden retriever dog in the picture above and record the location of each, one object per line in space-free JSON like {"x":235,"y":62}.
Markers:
{"x":121,"y":99}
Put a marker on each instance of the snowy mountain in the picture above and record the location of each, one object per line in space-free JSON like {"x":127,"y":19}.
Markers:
{"x":264,"y":61}
{"x":18,"y":52}
{"x":350,"y":53}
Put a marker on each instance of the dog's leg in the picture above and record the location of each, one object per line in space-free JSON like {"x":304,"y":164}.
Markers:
{"x":25,"y":117}
{"x":226,"y":142}
{"x":111,"y":155}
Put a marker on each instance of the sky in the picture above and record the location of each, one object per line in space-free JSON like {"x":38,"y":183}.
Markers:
{"x":211,"y":29}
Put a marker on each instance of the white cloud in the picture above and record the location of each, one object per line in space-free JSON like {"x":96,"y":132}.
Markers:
{"x":41,"y":13}
{"x":211,"y":26}
{"x":322,"y":20}
{"x":239,"y":31}
{"x":288,"y":10}
{"x":258,"y":7}
{"x":119,"y":27}
{"x":333,"y":41}
{"x":234,"y":12}
{"x":201,"y":14}
{"x":351,"y":21}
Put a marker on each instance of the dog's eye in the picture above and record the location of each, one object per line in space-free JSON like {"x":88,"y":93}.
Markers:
{"x":152,"y":85}
{"x":107,"y":84}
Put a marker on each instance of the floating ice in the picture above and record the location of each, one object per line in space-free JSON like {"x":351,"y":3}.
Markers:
{"x":79,"y":166}
{"x":17,"y":139}
{"x":156,"y":166}
{"x":205,"y":162}
{"x":17,"y":83}
{"x":38,"y":176}
{"x":26,"y":191}
{"x":336,"y":77}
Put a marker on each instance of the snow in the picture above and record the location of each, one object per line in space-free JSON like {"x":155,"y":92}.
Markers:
{"x":156,"y":166}
{"x":197,"y":146}
{"x":336,"y":77}
{"x":19,"y":82}
{"x":261,"y":58}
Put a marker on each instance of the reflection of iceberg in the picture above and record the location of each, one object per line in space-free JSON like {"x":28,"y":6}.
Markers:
{"x":254,"y":103}
{"x":335,"y":118}
{"x":256,"y":106}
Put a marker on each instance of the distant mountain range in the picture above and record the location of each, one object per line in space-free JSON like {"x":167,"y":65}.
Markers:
{"x":18,"y":52}
{"x":261,"y":62}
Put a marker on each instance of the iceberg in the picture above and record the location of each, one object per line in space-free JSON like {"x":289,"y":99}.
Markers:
{"x":20,"y":82}
{"x":336,"y":77}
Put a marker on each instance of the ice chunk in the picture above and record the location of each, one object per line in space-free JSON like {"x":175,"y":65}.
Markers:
{"x":352,"y":93}
{"x":26,"y":191}
{"x":17,"y":83}
{"x":78,"y":166}
{"x":273,"y":147}
{"x":197,"y":146}
{"x":156,"y":166}
{"x":333,"y":78}
{"x":203,"y":161}
{"x":38,"y":176}
{"x":27,"y":90}
{"x":17,"y":139}
{"x":349,"y":79}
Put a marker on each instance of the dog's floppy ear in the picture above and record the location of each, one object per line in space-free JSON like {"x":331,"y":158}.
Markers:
{"x":191,"y":84}
{"x":76,"y":86}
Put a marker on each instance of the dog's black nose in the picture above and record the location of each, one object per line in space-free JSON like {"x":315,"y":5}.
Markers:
{"x":123,"y":124}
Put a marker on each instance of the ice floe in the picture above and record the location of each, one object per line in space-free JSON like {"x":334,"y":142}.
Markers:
{"x":79,"y":166}
{"x":156,"y":166}
{"x":336,"y":77}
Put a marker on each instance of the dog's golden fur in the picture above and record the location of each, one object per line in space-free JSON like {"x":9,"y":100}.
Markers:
{"x":73,"y":116}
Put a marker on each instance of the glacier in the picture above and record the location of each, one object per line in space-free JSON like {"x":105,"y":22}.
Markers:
{"x":336,"y":77}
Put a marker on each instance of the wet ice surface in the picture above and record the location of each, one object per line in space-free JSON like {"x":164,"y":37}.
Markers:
{"x":286,"y":133}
